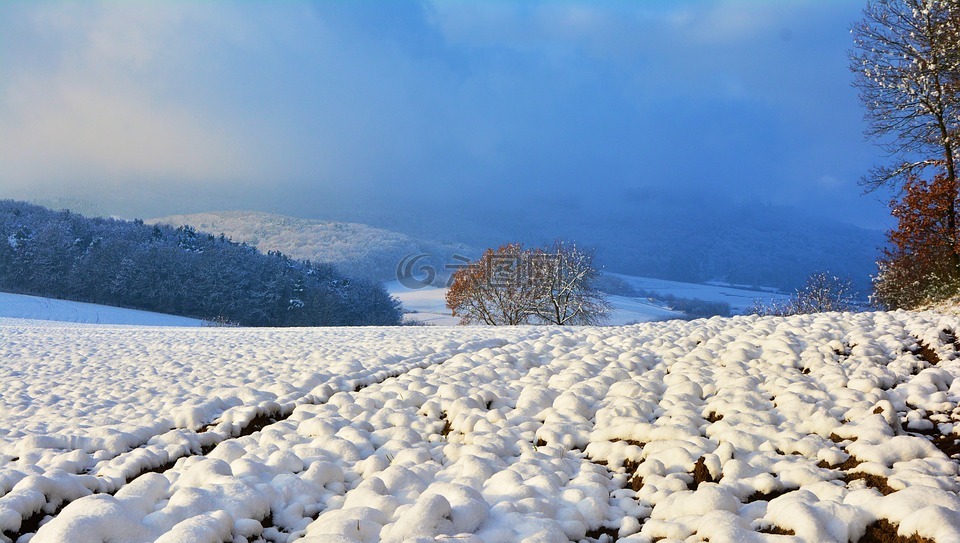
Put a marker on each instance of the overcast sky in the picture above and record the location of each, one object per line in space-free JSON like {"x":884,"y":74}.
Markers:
{"x":151,"y":109}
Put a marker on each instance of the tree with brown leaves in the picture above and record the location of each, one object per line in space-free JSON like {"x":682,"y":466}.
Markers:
{"x":906,"y":62}
{"x":493,"y":290}
{"x":917,"y":267}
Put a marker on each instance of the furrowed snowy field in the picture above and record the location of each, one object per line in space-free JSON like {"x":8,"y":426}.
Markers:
{"x":824,"y":427}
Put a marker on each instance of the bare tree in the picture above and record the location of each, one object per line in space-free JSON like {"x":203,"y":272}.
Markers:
{"x":822,"y":293}
{"x":907,"y":65}
{"x":512,"y":285}
{"x":565,"y":279}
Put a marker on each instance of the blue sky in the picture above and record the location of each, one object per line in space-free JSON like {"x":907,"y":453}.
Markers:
{"x":319,"y":108}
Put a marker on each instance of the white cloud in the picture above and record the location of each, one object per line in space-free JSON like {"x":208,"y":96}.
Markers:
{"x":101,"y":109}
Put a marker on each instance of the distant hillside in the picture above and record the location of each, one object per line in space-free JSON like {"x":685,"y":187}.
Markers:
{"x":737,"y":243}
{"x":356,"y":249}
{"x":180,"y":271}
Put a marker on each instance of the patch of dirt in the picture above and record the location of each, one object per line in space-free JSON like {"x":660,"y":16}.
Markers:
{"x":631,"y":466}
{"x":873,"y":481}
{"x":700,"y":474}
{"x":635,"y":483}
{"x":849,"y":463}
{"x":776,"y":530}
{"x":845,"y":352}
{"x":31,"y":524}
{"x":883,"y":531}
{"x":604,"y":534}
{"x":713,"y":416}
{"x":767,"y":496}
{"x":259,"y":422}
{"x":949,"y":444}
{"x":926,"y":353}
{"x":447,"y":428}
{"x":949,"y":337}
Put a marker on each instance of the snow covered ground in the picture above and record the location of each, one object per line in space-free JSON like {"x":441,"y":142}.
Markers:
{"x":18,"y":306}
{"x":825,"y":427}
{"x":740,"y":299}
{"x":427,"y":304}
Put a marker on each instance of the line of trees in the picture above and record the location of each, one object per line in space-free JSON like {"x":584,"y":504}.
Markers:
{"x":906,"y":65}
{"x":514,"y":285}
{"x":179,"y":271}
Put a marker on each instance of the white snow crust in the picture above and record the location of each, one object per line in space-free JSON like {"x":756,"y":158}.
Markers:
{"x":20,"y":306}
{"x":720,"y":430}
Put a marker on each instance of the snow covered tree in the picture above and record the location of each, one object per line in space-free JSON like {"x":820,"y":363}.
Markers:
{"x":822,"y":292}
{"x":564,"y":278}
{"x":907,"y":69}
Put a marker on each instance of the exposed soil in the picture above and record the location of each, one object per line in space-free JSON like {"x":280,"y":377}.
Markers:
{"x":260,"y":422}
{"x":883,"y":531}
{"x":700,"y":474}
{"x":776,"y":530}
{"x":926,"y":353}
{"x":948,"y":443}
{"x":849,"y":463}
{"x":635,"y":483}
{"x":447,"y":428}
{"x":767,"y":496}
{"x":604,"y":534}
{"x":873,"y":481}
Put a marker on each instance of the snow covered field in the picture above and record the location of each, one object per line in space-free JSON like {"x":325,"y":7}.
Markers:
{"x":740,"y":299}
{"x":824,"y":427}
{"x":19,"y":306}
{"x":428,"y":305}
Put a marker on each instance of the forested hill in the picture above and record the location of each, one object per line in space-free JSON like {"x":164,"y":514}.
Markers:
{"x":356,"y":249}
{"x":179,"y":271}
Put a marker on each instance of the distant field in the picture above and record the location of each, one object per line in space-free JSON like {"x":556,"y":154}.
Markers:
{"x":427,"y":304}
{"x":739,"y":298}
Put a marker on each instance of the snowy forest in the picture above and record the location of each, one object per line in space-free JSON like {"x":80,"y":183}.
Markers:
{"x":181,"y":271}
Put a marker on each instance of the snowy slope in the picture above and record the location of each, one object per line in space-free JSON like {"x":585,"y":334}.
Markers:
{"x":740,"y":299}
{"x":355,"y":249}
{"x":19,"y":306}
{"x":428,"y":305}
{"x":722,"y":429}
